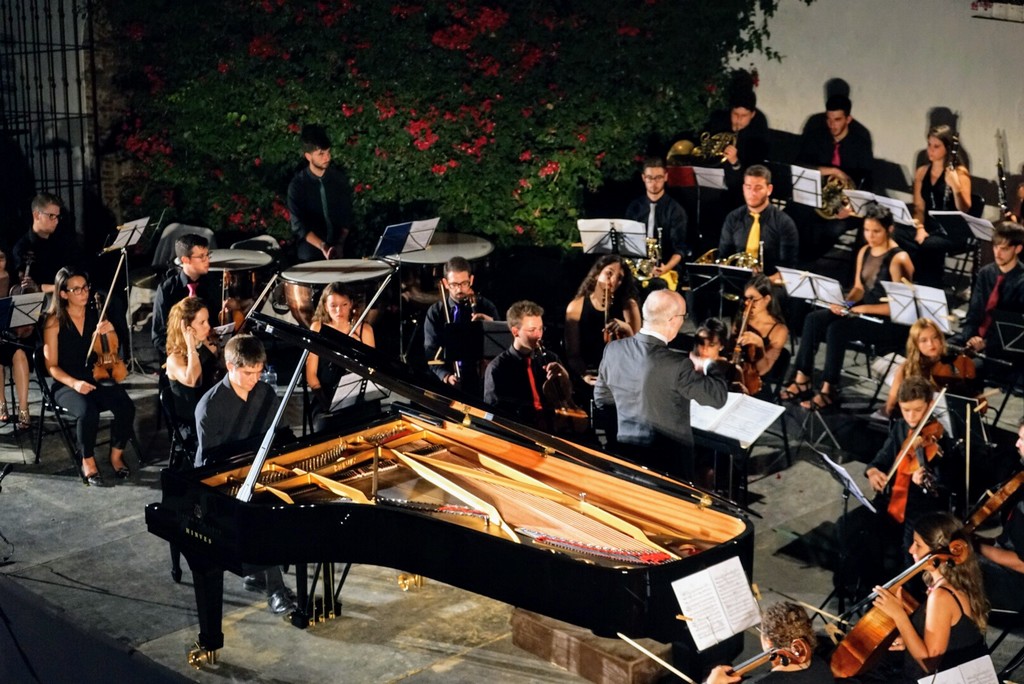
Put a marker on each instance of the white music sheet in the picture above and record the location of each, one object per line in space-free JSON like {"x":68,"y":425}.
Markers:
{"x":900,"y":211}
{"x":806,"y":186}
{"x":981,"y":228}
{"x":907,"y":303}
{"x":977,"y":671}
{"x":708,"y":177}
{"x":717,"y":602}
{"x":742,"y":418}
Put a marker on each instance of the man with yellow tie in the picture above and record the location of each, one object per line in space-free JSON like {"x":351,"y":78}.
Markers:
{"x":759,"y":228}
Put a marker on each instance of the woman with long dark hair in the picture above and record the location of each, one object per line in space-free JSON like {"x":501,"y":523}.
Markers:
{"x":67,"y":338}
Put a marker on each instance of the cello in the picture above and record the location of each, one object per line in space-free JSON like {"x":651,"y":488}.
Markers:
{"x":568,"y":416}
{"x":865,"y":643}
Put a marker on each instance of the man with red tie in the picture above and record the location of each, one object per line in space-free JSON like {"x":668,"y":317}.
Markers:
{"x":515,"y":380}
{"x":999,"y":285}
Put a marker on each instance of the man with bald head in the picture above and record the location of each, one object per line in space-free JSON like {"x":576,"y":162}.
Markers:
{"x":649,"y":386}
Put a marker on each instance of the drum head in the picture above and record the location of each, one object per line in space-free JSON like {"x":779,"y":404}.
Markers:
{"x":444,"y":246}
{"x":238,"y":259}
{"x":336,"y":270}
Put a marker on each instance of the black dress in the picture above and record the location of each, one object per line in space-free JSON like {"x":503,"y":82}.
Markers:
{"x":187,"y":398}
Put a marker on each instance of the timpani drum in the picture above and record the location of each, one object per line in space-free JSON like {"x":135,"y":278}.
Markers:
{"x":303,"y":283}
{"x":245,"y":273}
{"x":444,"y":246}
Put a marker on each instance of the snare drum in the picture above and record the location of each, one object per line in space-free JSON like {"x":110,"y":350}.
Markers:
{"x":303,"y":283}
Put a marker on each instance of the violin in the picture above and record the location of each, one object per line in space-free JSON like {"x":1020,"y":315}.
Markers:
{"x":798,"y":653}
{"x":956,"y":372}
{"x":924,"y":441}
{"x":865,"y":643}
{"x":108,"y":366}
{"x":745,"y":358}
{"x":230,"y":311}
{"x":993,"y":503}
{"x":610,"y":329}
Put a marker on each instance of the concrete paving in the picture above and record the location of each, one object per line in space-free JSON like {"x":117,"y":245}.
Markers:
{"x":87,"y":553}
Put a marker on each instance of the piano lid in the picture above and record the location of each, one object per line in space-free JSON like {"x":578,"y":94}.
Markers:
{"x":450,"y":404}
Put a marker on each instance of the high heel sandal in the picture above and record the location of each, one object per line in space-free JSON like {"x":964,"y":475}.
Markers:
{"x":822,"y":401}
{"x":795,"y":391}
{"x":24,"y":419}
{"x":5,"y":414}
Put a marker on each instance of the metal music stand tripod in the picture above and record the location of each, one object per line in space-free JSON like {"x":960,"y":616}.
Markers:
{"x":129,"y":235}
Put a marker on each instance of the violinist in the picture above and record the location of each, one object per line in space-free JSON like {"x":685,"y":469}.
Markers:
{"x":335,"y":310}
{"x":515,"y":379}
{"x":193,"y":279}
{"x":782,"y":625}
{"x":999,"y":285}
{"x":605,"y":307}
{"x":1002,"y":561}
{"x":926,"y":347}
{"x":67,"y":347}
{"x":192,"y":361}
{"x":766,"y":333}
{"x":709,"y":344}
{"x":462,"y":306}
{"x":13,"y":356}
{"x":924,"y":476}
{"x":879,"y":260}
{"x":949,"y":629}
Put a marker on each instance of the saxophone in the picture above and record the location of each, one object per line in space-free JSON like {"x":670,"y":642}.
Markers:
{"x":643,"y":269}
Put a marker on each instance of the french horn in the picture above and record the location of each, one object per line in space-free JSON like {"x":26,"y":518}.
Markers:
{"x":833,"y":197}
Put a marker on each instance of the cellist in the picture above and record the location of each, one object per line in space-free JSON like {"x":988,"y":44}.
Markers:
{"x":67,"y":347}
{"x":783,"y":625}
{"x":948,"y":629}
{"x":1003,"y":557}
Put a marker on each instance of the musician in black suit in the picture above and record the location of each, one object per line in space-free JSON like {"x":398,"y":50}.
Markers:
{"x":757,"y":222}
{"x":650,"y":387}
{"x":193,"y":279}
{"x":232,"y":417}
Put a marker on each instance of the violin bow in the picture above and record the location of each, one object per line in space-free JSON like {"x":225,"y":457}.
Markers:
{"x":103,"y":313}
{"x":914,"y":436}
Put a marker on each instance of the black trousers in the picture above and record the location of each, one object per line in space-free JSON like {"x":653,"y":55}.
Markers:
{"x":835,"y":331}
{"x":86,"y":409}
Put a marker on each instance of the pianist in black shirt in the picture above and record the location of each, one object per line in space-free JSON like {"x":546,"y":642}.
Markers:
{"x":232,"y":418}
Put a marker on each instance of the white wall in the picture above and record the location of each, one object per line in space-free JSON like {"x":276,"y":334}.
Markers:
{"x":902,"y":58}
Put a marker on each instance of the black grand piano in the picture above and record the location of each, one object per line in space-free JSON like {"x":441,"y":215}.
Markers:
{"x":438,"y":487}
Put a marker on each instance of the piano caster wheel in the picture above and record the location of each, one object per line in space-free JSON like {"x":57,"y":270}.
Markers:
{"x":198,"y":656}
{"x":407,"y":581}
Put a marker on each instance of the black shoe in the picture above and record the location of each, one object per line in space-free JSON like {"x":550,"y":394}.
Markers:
{"x":279,"y":602}
{"x":122,"y":473}
{"x":256,"y":583}
{"x":95,"y":480}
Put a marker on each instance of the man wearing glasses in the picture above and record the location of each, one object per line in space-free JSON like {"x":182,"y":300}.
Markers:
{"x":43,"y":250}
{"x":664,"y":217}
{"x":649,"y":387}
{"x":447,"y":321}
{"x":192,"y":279}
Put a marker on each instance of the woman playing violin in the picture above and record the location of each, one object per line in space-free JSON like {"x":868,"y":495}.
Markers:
{"x":605,"y":307}
{"x":192,"y":361}
{"x":67,"y":347}
{"x":949,"y":628}
{"x":766,"y":333}
{"x":335,"y":310}
{"x":926,"y":346}
{"x":783,"y":625}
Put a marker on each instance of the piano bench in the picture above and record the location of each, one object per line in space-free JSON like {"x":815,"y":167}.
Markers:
{"x":579,"y":651}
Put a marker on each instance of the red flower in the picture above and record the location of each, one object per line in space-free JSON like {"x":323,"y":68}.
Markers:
{"x":262,"y":47}
{"x":490,"y":20}
{"x":362,"y":187}
{"x":456,"y":37}
{"x":439,"y":169}
{"x":348,"y":110}
{"x":137,"y":200}
{"x":526,"y":155}
{"x":223,"y":67}
{"x":625,"y":30}
{"x":294,"y":128}
{"x":257,"y":162}
{"x":548,"y":169}
{"x":385,"y":110}
{"x":405,"y":11}
{"x":520,"y":229}
{"x":525,"y":183}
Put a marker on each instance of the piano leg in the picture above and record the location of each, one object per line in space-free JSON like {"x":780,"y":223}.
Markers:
{"x":300,"y":616}
{"x":175,"y":564}
{"x":208,"y":581}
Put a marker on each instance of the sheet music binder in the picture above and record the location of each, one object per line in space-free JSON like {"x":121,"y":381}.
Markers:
{"x":411,"y":236}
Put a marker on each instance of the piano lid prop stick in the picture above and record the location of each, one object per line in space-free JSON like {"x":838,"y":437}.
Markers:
{"x":655,"y":658}
{"x":245,"y":491}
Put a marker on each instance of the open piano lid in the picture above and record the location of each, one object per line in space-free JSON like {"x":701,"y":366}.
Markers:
{"x":450,"y":404}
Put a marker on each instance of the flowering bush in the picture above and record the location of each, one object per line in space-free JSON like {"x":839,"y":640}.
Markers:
{"x":495,"y":115}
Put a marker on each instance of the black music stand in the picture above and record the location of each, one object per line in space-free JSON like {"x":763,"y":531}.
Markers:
{"x":1010,"y":333}
{"x":699,"y":177}
{"x":497,"y":338}
{"x":129,"y":235}
{"x":849,"y":485}
{"x":398,"y":239}
{"x":730,"y":280}
{"x":613,"y":236}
